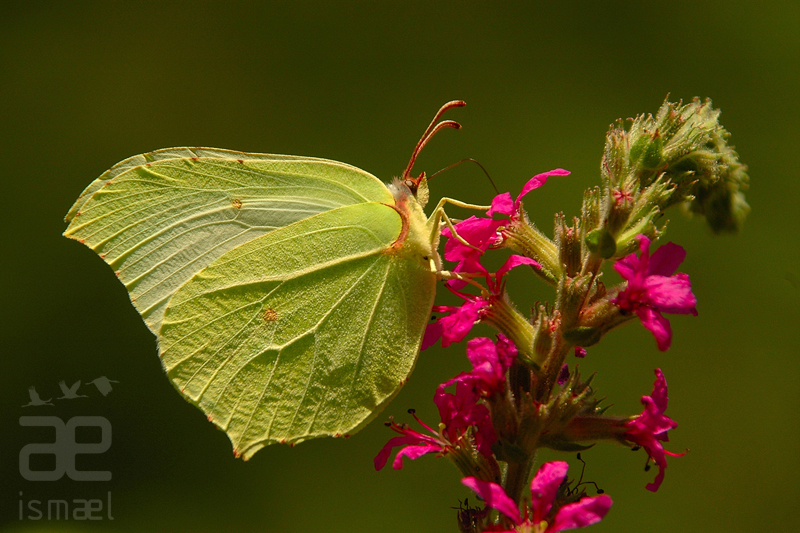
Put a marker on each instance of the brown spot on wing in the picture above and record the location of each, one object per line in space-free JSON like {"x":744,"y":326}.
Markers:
{"x":270,"y":315}
{"x":236,"y":203}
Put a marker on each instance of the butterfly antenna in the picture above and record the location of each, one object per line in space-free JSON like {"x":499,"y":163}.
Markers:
{"x":448,"y":167}
{"x":432,"y":130}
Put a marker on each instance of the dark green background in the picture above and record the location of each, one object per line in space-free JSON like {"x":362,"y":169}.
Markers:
{"x":86,"y":84}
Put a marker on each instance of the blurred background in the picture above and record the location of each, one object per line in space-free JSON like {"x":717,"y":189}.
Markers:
{"x":86,"y":84}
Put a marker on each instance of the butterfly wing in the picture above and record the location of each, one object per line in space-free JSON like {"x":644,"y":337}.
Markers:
{"x":303,"y":332}
{"x":160,"y":218}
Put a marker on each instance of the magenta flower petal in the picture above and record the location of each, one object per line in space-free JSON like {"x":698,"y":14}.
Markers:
{"x":454,"y":325}
{"x":658,"y":326}
{"x":580,"y":352}
{"x":627,"y":266}
{"x":433,"y":332}
{"x":459,"y":324}
{"x":644,"y":245}
{"x":466,"y":425}
{"x":666,"y":260}
{"x":386,"y":451}
{"x":671,"y":294}
{"x":514,"y":261}
{"x":502,"y":204}
{"x":659,"y":395}
{"x":537,"y":181}
{"x":481,"y":233}
{"x":490,"y":362}
{"x":482,"y":353}
{"x":469,"y":265}
{"x":653,"y":422}
{"x":585,"y":512}
{"x":544,"y":493}
{"x":544,"y":487}
{"x":506,"y":351}
{"x":458,"y":321}
{"x":656,"y":484}
{"x":494,"y":496}
{"x":455,"y":407}
{"x":413,"y":452}
{"x":460,"y":411}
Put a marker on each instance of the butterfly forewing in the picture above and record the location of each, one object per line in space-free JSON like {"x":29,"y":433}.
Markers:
{"x":158,"y":219}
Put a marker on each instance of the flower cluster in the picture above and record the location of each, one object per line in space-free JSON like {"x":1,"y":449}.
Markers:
{"x":465,"y":425}
{"x":522,"y":394}
{"x":465,"y":430}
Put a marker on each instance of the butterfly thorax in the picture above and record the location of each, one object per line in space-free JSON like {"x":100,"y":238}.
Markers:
{"x":414,"y":240}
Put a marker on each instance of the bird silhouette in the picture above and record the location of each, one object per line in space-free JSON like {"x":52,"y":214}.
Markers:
{"x":35,"y":400}
{"x":103,"y":384}
{"x":70,"y":393}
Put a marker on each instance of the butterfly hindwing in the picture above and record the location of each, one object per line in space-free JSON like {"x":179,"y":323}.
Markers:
{"x":276,"y":344}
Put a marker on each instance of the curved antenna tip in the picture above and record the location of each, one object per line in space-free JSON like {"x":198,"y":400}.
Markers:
{"x":433,"y":128}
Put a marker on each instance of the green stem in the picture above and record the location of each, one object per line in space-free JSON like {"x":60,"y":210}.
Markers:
{"x":592,"y":264}
{"x":511,"y":323}
{"x":516,"y":478}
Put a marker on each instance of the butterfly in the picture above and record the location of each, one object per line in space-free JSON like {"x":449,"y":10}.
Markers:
{"x":289,"y":295}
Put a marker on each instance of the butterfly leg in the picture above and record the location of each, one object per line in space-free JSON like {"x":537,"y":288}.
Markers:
{"x":439,"y":215}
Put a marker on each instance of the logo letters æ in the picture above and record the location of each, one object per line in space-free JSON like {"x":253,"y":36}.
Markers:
{"x":65,"y":448}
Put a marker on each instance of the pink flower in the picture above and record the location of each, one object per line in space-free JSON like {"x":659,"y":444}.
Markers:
{"x":455,"y":324}
{"x":482,"y":234}
{"x":458,"y":321}
{"x":650,"y":428}
{"x":546,"y":505}
{"x":462,"y":418}
{"x":490,"y":362}
{"x":653,"y":288}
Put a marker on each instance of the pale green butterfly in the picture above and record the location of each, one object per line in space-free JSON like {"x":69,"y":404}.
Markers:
{"x":289,"y":295}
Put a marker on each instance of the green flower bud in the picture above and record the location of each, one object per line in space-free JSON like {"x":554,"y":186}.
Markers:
{"x":653,"y":154}
{"x":684,"y":149}
{"x":568,"y":242}
{"x":583,"y":336}
{"x":601,"y":242}
{"x":544,"y":325}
